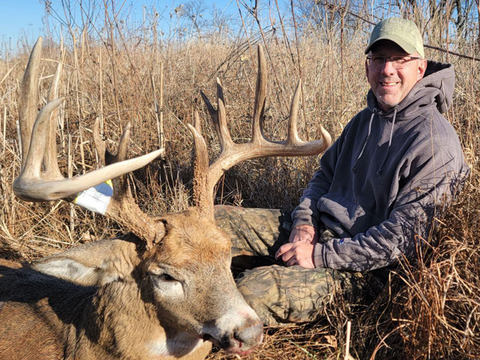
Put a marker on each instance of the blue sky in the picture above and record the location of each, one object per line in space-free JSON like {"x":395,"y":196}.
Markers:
{"x":19,"y":15}
{"x":20,"y":18}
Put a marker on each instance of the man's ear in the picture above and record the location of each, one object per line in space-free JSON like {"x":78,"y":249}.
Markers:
{"x":422,"y":67}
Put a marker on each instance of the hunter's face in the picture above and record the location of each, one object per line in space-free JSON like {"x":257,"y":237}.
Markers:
{"x":392,"y":73}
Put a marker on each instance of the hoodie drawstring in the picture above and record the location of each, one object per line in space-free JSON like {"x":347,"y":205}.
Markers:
{"x":354,"y":168}
{"x":380,"y":169}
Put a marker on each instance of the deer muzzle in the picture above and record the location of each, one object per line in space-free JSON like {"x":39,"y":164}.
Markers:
{"x":236,"y":334}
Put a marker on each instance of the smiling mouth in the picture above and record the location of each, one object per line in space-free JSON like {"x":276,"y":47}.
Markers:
{"x":388,"y":84}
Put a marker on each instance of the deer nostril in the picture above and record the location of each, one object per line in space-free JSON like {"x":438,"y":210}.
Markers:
{"x":207,"y":337}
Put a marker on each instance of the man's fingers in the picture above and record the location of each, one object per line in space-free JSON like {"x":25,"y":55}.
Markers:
{"x":296,"y":254}
{"x":292,"y":261}
{"x":282,"y":250}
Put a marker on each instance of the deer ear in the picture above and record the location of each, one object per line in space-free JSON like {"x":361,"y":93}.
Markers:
{"x":92,"y":264}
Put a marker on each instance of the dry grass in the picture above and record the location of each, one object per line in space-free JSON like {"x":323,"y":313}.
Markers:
{"x":430,"y":310}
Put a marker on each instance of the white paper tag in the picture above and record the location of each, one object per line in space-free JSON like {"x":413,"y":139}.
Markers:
{"x":96,"y":198}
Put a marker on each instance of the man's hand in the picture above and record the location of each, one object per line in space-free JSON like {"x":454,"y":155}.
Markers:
{"x":299,"y":250}
{"x":303,"y":233}
{"x":297,"y":253}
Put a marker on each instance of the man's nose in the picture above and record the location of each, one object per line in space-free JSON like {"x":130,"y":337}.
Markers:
{"x":388,"y":67}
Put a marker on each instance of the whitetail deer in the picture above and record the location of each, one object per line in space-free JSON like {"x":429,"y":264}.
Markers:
{"x":165,"y":292}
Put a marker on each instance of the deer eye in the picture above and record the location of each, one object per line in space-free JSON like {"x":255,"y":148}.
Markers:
{"x":160,"y":274}
{"x":166,"y":285}
{"x":166,"y":277}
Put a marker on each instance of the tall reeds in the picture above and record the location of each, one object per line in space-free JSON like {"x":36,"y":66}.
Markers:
{"x":116,"y":70}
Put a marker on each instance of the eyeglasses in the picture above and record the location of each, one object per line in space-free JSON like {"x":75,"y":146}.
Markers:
{"x":398,"y":62}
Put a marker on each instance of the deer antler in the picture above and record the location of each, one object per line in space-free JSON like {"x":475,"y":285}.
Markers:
{"x":40,"y":178}
{"x":206,"y":176}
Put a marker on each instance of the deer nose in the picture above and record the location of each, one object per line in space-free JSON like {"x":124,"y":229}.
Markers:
{"x":249,"y":336}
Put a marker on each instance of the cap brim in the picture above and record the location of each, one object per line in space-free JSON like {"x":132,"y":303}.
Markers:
{"x":409,"y":49}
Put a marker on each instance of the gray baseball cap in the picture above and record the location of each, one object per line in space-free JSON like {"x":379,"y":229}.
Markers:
{"x":402,"y":32}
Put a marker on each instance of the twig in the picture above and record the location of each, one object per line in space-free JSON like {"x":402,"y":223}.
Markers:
{"x":4,"y":129}
{"x":347,"y":345}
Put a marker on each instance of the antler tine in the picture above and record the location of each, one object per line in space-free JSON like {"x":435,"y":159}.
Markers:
{"x":200,"y":180}
{"x":292,"y":135}
{"x":27,"y":111}
{"x":50,"y":157}
{"x":219,"y":117}
{"x":99,"y":143}
{"x":259,"y":146}
{"x":197,"y":124}
{"x":107,"y":158}
{"x":293,"y":140}
{"x":123,"y":143}
{"x":33,"y":162}
{"x":221,"y":127}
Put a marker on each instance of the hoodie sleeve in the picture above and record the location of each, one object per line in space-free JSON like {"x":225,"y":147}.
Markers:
{"x":306,"y":213}
{"x":429,"y":187}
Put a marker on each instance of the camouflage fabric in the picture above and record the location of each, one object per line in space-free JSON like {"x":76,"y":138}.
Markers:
{"x":281,"y":294}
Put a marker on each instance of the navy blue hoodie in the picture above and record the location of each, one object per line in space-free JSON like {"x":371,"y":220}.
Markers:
{"x":383,"y":180}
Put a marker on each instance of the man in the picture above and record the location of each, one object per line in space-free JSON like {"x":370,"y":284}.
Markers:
{"x":395,"y":165}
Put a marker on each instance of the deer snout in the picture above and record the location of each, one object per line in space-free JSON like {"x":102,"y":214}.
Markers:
{"x":248,"y":337}
{"x":235,"y":336}
{"x":242,"y":339}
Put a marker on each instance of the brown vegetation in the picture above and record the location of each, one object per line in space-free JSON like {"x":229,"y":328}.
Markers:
{"x":430,"y":310}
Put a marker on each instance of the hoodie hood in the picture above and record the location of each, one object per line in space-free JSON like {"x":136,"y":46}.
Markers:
{"x":436,"y":88}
